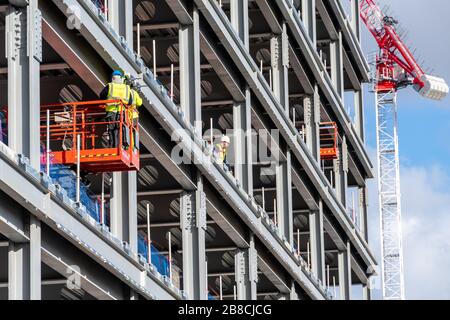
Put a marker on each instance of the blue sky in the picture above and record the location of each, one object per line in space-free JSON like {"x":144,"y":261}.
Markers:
{"x":424,"y":135}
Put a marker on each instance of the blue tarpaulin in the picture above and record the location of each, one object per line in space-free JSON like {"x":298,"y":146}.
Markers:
{"x":159,"y":260}
{"x":67,"y":179}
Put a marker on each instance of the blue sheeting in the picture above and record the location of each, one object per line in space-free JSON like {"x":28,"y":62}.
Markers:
{"x":99,"y":4}
{"x":3,"y":128}
{"x":67,"y":179}
{"x":160,"y":261}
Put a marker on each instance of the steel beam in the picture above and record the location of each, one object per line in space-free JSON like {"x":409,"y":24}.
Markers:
{"x":304,"y":191}
{"x":300,"y":72}
{"x":269,"y":14}
{"x":75,"y":51}
{"x":24,"y":55}
{"x":273,"y":272}
{"x":78,"y":270}
{"x":326,"y":20}
{"x":225,"y":219}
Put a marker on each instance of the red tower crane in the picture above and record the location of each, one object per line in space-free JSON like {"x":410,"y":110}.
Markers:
{"x":395,"y":68}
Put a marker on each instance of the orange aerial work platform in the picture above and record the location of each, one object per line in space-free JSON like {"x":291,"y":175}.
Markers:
{"x":328,"y":141}
{"x":68,"y":123}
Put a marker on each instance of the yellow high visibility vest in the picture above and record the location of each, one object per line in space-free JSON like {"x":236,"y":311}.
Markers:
{"x":118,"y":91}
{"x":222,"y":153}
{"x":136,"y":102}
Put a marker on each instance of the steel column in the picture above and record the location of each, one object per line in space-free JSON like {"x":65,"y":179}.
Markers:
{"x":18,"y":271}
{"x":120,"y":15}
{"x":123,"y":204}
{"x":242,"y":109}
{"x":24,"y":265}
{"x":309,"y":19}
{"x":35,"y":258}
{"x":345,"y":273}
{"x":367,"y":294}
{"x":239,"y":19}
{"x":359,"y":114}
{"x":294,"y":294}
{"x":242,"y":146}
{"x":279,"y":47}
{"x":193,"y":226}
{"x":317,"y":242}
{"x":363,"y":209}
{"x":190,"y":75}
{"x":284,"y":198}
{"x":341,"y":171}
{"x":124,"y":185}
{"x":24,"y":55}
{"x":246,"y":272}
{"x":311,"y":106}
{"x":337,"y":65}
{"x":356,"y":18}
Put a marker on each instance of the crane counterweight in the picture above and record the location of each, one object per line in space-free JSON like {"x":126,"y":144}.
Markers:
{"x":433,"y":88}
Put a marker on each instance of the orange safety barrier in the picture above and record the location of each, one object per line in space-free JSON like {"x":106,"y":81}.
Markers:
{"x":328,"y":141}
{"x":87,"y":120}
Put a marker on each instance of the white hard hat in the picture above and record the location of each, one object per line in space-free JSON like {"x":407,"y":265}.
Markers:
{"x":226,"y":139}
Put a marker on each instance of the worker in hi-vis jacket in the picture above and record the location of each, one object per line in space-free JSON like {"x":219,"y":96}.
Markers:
{"x":117,"y":89}
{"x":133,"y":114}
{"x":222,"y":149}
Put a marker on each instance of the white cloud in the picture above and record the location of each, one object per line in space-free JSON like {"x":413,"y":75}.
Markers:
{"x":426,"y":226}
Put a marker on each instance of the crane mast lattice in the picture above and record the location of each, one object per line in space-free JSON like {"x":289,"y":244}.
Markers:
{"x":394,"y":68}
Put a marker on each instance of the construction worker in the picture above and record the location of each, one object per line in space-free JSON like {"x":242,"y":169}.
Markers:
{"x":222,"y":149}
{"x":136,"y":102}
{"x":116,"y":90}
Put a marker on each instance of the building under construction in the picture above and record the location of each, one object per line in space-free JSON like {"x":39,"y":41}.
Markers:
{"x":284,"y":218}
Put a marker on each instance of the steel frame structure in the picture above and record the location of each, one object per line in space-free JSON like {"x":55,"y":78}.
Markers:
{"x":264,"y":252}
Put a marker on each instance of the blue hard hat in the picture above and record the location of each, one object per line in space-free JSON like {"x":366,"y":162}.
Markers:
{"x":117,"y":73}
